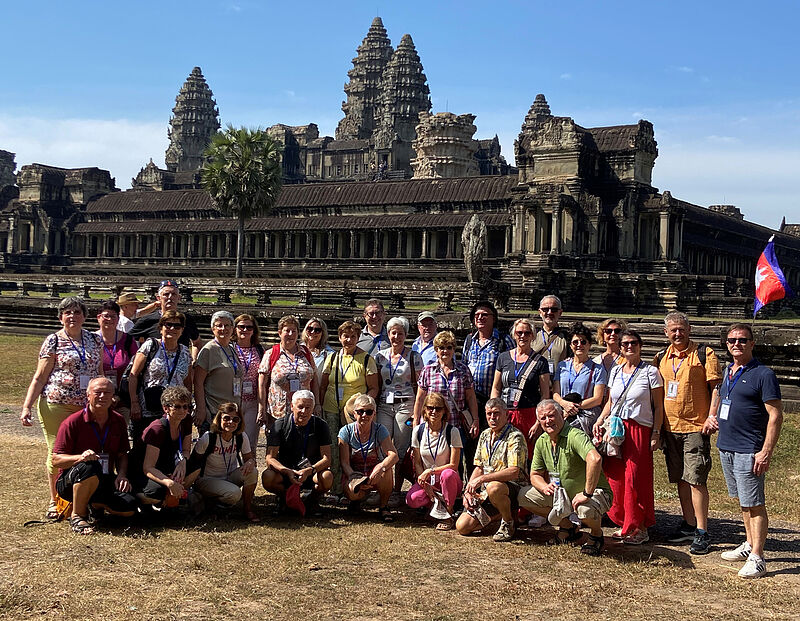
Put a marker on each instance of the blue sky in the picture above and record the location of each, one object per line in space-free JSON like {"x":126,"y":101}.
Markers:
{"x":93,"y":84}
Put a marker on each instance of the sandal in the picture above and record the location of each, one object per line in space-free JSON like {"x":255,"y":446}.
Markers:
{"x":593,"y":545}
{"x":445,"y":525}
{"x":618,"y":534}
{"x":573,"y":534}
{"x":386,"y":515}
{"x":80,"y":526}
{"x":52,"y":511}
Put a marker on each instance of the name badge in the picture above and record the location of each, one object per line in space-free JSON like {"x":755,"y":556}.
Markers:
{"x":113,"y":380}
{"x":724,"y":409}
{"x":555,"y":478}
{"x":341,"y":393}
{"x":237,"y":387}
{"x":390,"y":396}
{"x":672,"y":390}
{"x":552,"y":367}
{"x":303,"y":464}
{"x":433,"y":479}
{"x":247,"y":388}
{"x":294,"y":385}
{"x":84,"y":382}
{"x":514,"y":395}
{"x":473,"y":368}
{"x":103,"y":459}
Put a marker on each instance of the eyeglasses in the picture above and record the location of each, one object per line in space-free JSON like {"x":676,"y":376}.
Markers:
{"x":108,"y":317}
{"x":173,"y":326}
{"x":740,"y":341}
{"x":627,"y":344}
{"x":373,"y":314}
{"x":481,"y":315}
{"x":222,"y":326}
{"x":314,"y":330}
{"x":550,"y":309}
{"x":612,"y":330}
{"x":434,"y":408}
{"x":245,"y":328}
{"x":180,"y":406}
{"x":364,"y":412}
{"x":577,"y":342}
{"x":444,"y":347}
{"x":230,"y":419}
{"x":525,"y":333}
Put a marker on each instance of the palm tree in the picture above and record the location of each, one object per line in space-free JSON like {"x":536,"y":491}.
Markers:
{"x":242,"y":173}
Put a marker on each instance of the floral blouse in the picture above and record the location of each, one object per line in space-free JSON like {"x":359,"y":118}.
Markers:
{"x":287,"y":367}
{"x":73,"y":359}
{"x":156,"y":373}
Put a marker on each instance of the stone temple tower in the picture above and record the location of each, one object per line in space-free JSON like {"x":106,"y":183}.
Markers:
{"x":363,"y":88}
{"x":195,"y":118}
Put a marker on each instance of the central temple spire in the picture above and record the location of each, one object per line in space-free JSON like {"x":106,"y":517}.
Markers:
{"x":195,"y":118}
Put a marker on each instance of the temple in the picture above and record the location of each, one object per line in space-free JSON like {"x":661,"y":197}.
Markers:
{"x":386,"y":201}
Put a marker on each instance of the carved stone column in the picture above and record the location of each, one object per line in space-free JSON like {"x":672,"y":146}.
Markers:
{"x":451,"y":237}
{"x":287,"y":245}
{"x":555,"y":238}
{"x":424,"y":253}
{"x":352,"y":244}
{"x":376,"y":238}
{"x":11,"y":245}
{"x":663,"y":235}
{"x":309,"y":245}
{"x":329,"y":254}
{"x":399,"y":244}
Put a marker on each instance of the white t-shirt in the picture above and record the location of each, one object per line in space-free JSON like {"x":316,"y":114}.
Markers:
{"x":124,"y":324}
{"x":637,"y":405}
{"x":223,"y":460}
{"x":434,"y":444}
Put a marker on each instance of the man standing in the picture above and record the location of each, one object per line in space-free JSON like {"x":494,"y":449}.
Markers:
{"x":373,"y":336}
{"x":128,"y":306}
{"x":423,"y":345}
{"x":564,"y":457}
{"x":551,"y":342}
{"x":168,"y":297}
{"x":299,"y":452}
{"x":690,"y":376}
{"x":499,"y":474}
{"x":749,"y":418}
{"x":91,"y":450}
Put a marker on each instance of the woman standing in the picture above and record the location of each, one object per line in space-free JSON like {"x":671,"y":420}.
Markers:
{"x":157,"y":365}
{"x":217,"y":372}
{"x":400,"y":367}
{"x":285,"y":369}
{"x":522,"y":379}
{"x":68,"y":360}
{"x":118,"y":349}
{"x":637,"y":397}
{"x":315,"y":337}
{"x":608,"y":334}
{"x":580,"y":383}
{"x":249,"y":352}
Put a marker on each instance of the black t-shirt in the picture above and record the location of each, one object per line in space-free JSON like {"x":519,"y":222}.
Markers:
{"x":290,"y":440}
{"x":146,"y":327}
{"x":512,"y":373}
{"x":157,"y":434}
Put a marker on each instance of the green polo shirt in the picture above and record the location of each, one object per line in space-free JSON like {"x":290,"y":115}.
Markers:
{"x":573,"y":447}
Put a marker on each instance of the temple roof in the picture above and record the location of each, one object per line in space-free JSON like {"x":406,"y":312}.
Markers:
{"x":615,"y":137}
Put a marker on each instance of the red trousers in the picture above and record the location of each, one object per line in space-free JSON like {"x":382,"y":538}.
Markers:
{"x":523,"y":419}
{"x":631,"y":479}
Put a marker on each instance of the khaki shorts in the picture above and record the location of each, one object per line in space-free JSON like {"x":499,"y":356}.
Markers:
{"x":593,"y":509}
{"x":688,"y":457}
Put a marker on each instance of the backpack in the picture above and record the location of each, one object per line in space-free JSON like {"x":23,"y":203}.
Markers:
{"x":701,"y":354}
{"x":447,"y":429}
{"x":502,"y":346}
{"x":275,"y":353}
{"x":212,"y":444}
{"x":124,"y":384}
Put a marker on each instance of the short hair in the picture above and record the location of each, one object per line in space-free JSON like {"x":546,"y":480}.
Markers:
{"x":256,"y":338}
{"x":483,"y":304}
{"x":374,"y":302}
{"x":551,"y":297}
{"x":741,"y":326}
{"x":172,"y":315}
{"x":323,"y":340}
{"x":601,"y":335}
{"x":633,"y":334}
{"x":221,"y":315}
{"x":175,"y":394}
{"x":364,"y":400}
{"x":349,"y":326}
{"x":394,"y":322}
{"x":437,"y":400}
{"x":303,"y":394}
{"x":528,"y":322}
{"x":227,"y":408}
{"x":546,"y":403}
{"x":496,"y":402}
{"x":286,"y":320}
{"x":578,"y":329}
{"x":70,"y":302}
{"x":444,"y":338}
{"x":109,"y":305}
{"x":676,"y":317}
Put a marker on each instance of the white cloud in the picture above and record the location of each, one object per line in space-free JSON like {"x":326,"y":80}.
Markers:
{"x":565,"y":76}
{"x":723,"y":139}
{"x":683,"y":69}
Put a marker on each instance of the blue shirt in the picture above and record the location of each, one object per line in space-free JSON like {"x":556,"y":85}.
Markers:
{"x":427,"y":352}
{"x":373,"y":344}
{"x":483,"y":360}
{"x":745,"y":429}
{"x":583,"y":382}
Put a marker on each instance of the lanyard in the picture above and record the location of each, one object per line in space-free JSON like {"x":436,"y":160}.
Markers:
{"x":424,"y":349}
{"x":556,"y":454}
{"x":518,"y":371}
{"x":630,"y":379}
{"x":343,"y":372}
{"x":731,"y":381}
{"x":438,"y":441}
{"x":225,"y":460}
{"x":678,"y":368}
{"x":364,"y":448}
{"x":476,"y":349}
{"x":399,"y":360}
{"x":105,"y":436}
{"x":249,"y":360}
{"x":82,"y":353}
{"x":292,"y":367}
{"x":166,"y":360}
{"x":308,"y":430}
{"x":496,"y":442}
{"x":544,"y":340}
{"x":571,"y":380}
{"x":448,"y":381}
{"x":231,"y":360}
{"x":113,"y":352}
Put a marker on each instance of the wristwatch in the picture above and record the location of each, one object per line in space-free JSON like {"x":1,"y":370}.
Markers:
{"x":383,"y":469}
{"x":587,"y":494}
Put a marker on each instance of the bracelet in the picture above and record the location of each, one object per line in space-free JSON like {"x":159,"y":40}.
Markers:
{"x":656,"y":432}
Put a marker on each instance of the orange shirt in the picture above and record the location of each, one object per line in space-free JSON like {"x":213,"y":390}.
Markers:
{"x":688,"y":410}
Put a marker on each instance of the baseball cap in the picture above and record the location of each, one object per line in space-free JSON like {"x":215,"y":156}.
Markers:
{"x":425,"y":315}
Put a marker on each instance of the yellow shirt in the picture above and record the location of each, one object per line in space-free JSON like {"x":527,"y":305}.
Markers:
{"x":351,"y":376}
{"x":688,"y":409}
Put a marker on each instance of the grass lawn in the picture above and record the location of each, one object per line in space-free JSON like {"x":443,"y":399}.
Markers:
{"x":340,"y":567}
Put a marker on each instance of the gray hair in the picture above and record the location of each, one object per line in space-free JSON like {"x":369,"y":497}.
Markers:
{"x":303,"y":394}
{"x":221,"y":315}
{"x":397,"y":321}
{"x":72,"y":301}
{"x":364,"y":400}
{"x":676,"y":317}
{"x":498,"y":403}
{"x":551,"y":297}
{"x":546,"y":403}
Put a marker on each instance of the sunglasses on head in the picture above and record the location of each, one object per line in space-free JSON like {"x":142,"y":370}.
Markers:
{"x":365,"y":412}
{"x":313,"y":330}
{"x":742,"y":341}
{"x":230,"y":419}
{"x":612,"y":330}
{"x":628,"y":343}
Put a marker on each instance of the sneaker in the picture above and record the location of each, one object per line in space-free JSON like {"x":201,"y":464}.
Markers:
{"x":755,"y":567}
{"x":396,"y":500}
{"x":682,"y":534}
{"x":637,"y":537}
{"x":505,"y":532}
{"x":740,"y":553}
{"x":701,"y":543}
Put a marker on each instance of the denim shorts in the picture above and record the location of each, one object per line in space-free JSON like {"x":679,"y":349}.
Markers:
{"x":742,"y":483}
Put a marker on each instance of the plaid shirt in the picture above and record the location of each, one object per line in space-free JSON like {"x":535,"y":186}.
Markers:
{"x":433,"y":380}
{"x":482,"y":360}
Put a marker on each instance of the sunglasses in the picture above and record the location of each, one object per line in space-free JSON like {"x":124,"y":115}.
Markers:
{"x":314,"y":330}
{"x":365,"y":412}
{"x":739,"y":341}
{"x":627,"y":344}
{"x":577,"y":342}
{"x":245,"y":328}
{"x":230,"y":419}
{"x":444,"y":347}
{"x":612,"y":330}
{"x":526,"y":333}
{"x":180,"y":406}
{"x":550,"y":309}
{"x":434,"y":408}
{"x":173,"y":326}
{"x":480,"y":315}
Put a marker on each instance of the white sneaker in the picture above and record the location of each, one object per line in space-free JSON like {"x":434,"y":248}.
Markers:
{"x":739,"y":553}
{"x":755,"y":567}
{"x":637,"y":537}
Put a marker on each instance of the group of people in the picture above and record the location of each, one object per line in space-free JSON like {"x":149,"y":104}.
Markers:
{"x":526,"y":427}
